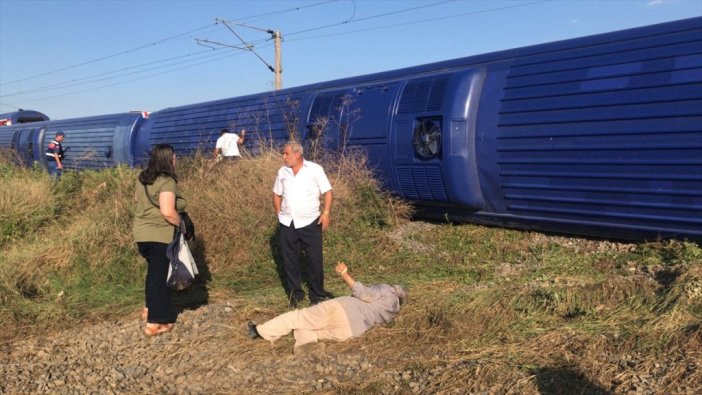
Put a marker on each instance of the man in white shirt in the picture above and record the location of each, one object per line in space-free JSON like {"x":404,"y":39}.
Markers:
{"x":296,"y":193}
{"x":228,"y":144}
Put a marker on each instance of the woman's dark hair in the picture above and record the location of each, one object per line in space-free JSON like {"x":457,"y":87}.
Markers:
{"x":160,"y":164}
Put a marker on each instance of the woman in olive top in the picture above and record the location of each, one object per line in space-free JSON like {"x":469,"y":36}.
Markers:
{"x":153,"y":230}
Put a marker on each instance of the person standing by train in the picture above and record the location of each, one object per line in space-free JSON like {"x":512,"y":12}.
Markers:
{"x":228,"y":144}
{"x":153,"y":230}
{"x":296,"y":192}
{"x":54,"y":156}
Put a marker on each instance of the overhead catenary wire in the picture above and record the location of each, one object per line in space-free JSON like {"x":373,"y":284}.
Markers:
{"x":2,"y":103}
{"x":161,"y":41}
{"x":223,"y":55}
{"x":371,"y":17}
{"x":249,"y":45}
{"x":107,"y":57}
{"x":257,"y":42}
{"x":94,"y":77}
{"x":424,"y":19}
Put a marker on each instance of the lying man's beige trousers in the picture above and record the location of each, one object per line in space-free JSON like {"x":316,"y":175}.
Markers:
{"x":323,"y":321}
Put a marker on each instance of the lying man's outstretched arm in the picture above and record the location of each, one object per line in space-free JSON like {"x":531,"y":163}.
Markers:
{"x":343,"y":271}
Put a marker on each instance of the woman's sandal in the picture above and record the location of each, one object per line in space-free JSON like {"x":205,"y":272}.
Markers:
{"x":157,"y":329}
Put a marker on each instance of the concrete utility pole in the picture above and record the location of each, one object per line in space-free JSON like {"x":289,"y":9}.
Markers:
{"x":278,"y":66}
{"x":277,"y":39}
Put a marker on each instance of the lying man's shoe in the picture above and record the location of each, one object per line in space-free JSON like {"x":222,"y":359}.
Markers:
{"x":251,"y":330}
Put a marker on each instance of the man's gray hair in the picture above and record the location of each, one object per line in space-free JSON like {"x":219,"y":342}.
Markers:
{"x":295,"y":147}
{"x":401,"y":293}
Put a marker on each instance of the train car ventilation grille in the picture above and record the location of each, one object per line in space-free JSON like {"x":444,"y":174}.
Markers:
{"x":423,"y":95}
{"x":325,"y":105}
{"x":422,"y":183}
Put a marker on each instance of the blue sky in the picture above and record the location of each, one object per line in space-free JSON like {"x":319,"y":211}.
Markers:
{"x":75,"y":58}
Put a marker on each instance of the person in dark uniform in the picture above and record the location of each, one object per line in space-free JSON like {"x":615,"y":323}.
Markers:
{"x":54,"y":156}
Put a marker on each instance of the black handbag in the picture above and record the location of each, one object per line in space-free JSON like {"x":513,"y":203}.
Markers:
{"x":187,"y":227}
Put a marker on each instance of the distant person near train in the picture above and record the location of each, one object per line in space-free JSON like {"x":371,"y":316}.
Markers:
{"x":54,"y":156}
{"x":228,"y":145}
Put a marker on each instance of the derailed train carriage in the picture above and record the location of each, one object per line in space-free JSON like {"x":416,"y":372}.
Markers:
{"x":600,"y":135}
{"x":21,"y":116}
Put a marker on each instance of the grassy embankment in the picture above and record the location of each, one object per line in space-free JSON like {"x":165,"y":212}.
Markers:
{"x":492,"y":305}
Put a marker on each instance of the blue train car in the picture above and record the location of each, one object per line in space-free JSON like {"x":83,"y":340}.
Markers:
{"x":600,"y":135}
{"x":21,"y":116}
{"x":91,"y":143}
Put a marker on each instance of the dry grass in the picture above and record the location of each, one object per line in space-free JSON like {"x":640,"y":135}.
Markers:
{"x":491,"y":310}
{"x":81,"y":247}
{"x":25,"y":202}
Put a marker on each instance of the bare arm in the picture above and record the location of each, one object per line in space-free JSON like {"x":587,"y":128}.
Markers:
{"x":168,"y":208}
{"x":325,"y":218}
{"x":343,"y":271}
{"x":59,"y":165}
{"x":216,"y":152}
{"x":242,"y":135}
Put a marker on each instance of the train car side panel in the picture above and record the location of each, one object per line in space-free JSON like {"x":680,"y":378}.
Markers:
{"x":193,"y":128}
{"x":90,"y":142}
{"x":600,"y":139}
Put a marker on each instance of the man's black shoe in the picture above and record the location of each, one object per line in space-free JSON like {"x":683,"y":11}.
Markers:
{"x":251,"y":330}
{"x":294,"y":303}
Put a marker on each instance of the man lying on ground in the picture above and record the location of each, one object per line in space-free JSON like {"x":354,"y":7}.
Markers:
{"x":337,"y":319}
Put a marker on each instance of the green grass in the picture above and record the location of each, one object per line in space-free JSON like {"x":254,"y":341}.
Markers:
{"x":519,"y":300}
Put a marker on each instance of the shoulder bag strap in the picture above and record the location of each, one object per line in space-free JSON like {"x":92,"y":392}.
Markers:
{"x":146,"y":191}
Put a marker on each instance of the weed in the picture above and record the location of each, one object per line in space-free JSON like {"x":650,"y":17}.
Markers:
{"x":489,"y":306}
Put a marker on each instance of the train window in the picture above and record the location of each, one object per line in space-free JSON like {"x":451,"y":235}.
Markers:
{"x":29,"y":119}
{"x":427,"y":138}
{"x":30,"y":144}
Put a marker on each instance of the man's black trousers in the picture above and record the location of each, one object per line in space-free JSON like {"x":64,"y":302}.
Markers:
{"x":308,"y":239}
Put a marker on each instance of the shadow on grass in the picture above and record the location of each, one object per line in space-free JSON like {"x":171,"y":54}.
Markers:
{"x":564,"y":380}
{"x":197,"y":294}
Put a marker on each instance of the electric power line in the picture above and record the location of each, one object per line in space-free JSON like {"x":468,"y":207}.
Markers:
{"x":409,"y":22}
{"x":105,"y":57}
{"x":371,"y":17}
{"x":156,"y":43}
{"x":93,"y":78}
{"x":217,"y":58}
{"x":224,"y":56}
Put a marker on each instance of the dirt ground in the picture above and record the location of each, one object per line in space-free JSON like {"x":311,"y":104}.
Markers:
{"x":208,"y":352}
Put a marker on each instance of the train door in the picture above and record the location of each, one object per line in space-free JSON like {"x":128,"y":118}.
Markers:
{"x":368,"y":126}
{"x":323,"y":121}
{"x":17,"y":153}
{"x":358,"y":117}
{"x":27,"y":146}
